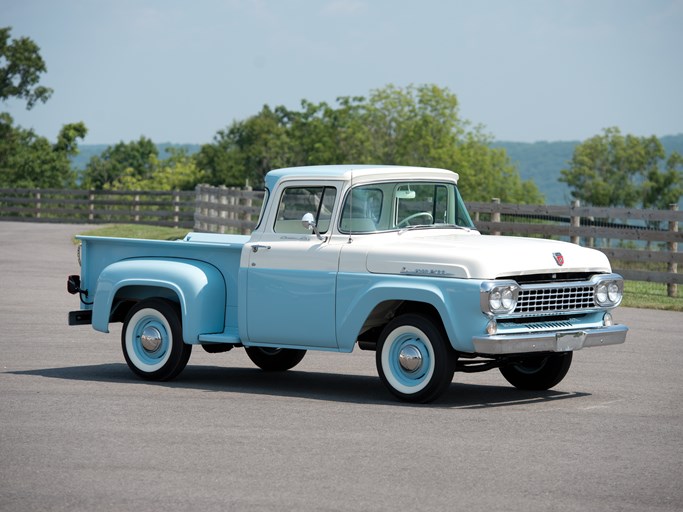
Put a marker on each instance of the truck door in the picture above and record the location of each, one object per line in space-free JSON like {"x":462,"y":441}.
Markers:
{"x":292,"y":274}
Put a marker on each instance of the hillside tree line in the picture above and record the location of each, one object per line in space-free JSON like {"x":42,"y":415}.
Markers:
{"x":415,"y":125}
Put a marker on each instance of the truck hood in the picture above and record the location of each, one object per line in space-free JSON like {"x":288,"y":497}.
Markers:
{"x":480,"y":256}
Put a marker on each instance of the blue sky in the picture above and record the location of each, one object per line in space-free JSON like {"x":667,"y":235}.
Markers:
{"x":179,"y":71}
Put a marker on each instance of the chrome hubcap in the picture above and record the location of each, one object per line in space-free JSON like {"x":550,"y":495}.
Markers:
{"x":410,"y":358}
{"x":151,"y":339}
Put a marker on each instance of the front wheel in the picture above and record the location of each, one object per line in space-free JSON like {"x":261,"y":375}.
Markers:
{"x":152,"y":340}
{"x":275,"y":359}
{"x":413,"y":359}
{"x":538,"y":373}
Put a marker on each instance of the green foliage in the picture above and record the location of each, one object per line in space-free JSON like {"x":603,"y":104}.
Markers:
{"x":664,"y":188}
{"x":417,"y":125}
{"x":136,"y":159}
{"x":639,"y":294}
{"x":20,"y":68}
{"x":28,"y":160}
{"x":178,"y":172}
{"x":616,"y":170}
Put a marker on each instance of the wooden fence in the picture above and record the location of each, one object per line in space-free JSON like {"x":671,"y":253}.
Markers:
{"x":162,"y":208}
{"x":226,"y":209}
{"x":643,"y":245}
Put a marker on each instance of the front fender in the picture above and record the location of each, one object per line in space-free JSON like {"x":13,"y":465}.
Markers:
{"x":199,"y":286}
{"x":456,"y":301}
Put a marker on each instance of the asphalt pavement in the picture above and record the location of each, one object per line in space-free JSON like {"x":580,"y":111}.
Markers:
{"x":79,"y":432}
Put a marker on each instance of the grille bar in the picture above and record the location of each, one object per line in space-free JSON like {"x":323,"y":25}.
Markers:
{"x":555,"y":299}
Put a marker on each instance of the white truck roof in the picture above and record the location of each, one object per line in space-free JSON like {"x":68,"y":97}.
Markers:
{"x":359,"y":173}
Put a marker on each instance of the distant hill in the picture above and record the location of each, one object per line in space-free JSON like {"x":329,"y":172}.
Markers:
{"x":540,"y":162}
{"x":87,"y":151}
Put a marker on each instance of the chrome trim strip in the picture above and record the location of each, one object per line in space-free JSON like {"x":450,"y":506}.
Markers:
{"x":564,"y":341}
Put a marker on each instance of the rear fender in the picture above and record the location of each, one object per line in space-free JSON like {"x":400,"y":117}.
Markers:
{"x":198,"y":286}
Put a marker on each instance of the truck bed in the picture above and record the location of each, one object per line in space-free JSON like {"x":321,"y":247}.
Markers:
{"x":221,"y":251}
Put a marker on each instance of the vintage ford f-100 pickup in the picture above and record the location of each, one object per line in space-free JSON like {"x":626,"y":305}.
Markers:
{"x":380,"y":257}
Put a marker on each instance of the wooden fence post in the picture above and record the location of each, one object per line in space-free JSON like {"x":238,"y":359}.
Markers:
{"x":233,"y":201}
{"x":136,"y":208}
{"x":672,"y":288}
{"x":224,"y":212}
{"x":575,"y":222}
{"x":176,"y":209}
{"x":38,"y":205}
{"x":197,"y":208}
{"x":91,"y":206}
{"x":495,"y":214}
{"x":247,"y":206}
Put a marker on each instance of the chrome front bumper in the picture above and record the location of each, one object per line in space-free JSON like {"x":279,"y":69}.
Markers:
{"x":564,"y":341}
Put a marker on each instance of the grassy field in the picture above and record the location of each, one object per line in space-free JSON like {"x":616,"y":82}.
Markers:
{"x":137,"y":231}
{"x":636,"y":294}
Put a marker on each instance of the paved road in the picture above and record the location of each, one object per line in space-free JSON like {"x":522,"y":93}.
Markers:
{"x":79,"y":432}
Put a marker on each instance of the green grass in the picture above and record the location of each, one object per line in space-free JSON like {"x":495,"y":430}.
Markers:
{"x":137,"y":231}
{"x":638,"y":294}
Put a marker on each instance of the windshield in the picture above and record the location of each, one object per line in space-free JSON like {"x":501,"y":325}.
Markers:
{"x":398,"y":205}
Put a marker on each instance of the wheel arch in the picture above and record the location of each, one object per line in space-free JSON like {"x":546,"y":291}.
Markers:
{"x":197,"y":287}
{"x":385,"y":311}
{"x":371,"y":311}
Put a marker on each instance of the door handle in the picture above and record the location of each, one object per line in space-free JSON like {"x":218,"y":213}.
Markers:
{"x":256,"y":247}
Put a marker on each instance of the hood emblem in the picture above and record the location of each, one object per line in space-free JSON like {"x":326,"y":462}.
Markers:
{"x":559,"y":259}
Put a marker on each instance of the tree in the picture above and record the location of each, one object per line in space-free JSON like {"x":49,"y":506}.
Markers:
{"x":29,"y":160}
{"x":178,"y":172}
{"x":20,"y":68}
{"x":664,"y":188}
{"x":245,"y":151}
{"x":616,"y":170}
{"x":417,"y":125}
{"x":136,"y":158}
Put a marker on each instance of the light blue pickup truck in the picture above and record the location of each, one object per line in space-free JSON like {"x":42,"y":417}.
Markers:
{"x":382,"y":258}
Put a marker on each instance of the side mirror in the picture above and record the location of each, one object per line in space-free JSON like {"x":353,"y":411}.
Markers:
{"x":308,"y":221}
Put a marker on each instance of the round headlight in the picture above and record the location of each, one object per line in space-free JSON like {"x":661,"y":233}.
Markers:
{"x":601,"y":293}
{"x":495,"y":300}
{"x":613,"y":292}
{"x":507,"y":299}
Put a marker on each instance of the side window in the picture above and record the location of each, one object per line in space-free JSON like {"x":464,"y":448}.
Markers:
{"x":422,"y":204}
{"x":440,"y":205}
{"x":362,"y":210}
{"x":297,"y":201}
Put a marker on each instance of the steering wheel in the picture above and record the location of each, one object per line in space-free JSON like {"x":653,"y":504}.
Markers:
{"x":406,"y":222}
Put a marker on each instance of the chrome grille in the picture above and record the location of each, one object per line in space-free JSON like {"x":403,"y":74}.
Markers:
{"x":552,"y":299}
{"x":549,"y":325}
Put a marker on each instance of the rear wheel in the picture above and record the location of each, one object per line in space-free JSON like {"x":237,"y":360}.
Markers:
{"x":413,"y":359}
{"x":538,"y":372}
{"x":275,"y":359}
{"x":152,"y":340}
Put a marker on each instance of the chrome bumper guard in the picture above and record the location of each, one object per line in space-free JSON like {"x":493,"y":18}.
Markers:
{"x":564,"y":341}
